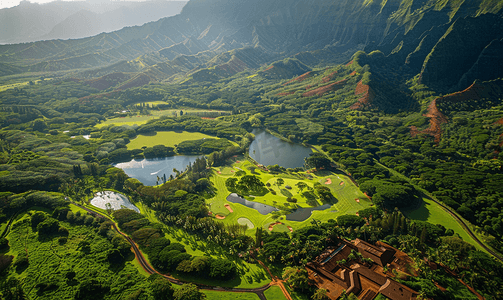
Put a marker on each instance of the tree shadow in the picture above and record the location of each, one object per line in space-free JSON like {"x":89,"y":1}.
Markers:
{"x":420,"y":212}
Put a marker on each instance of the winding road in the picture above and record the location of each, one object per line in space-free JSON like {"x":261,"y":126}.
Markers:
{"x":149,"y":269}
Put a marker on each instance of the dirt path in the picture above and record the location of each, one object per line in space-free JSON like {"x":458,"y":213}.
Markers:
{"x":276,"y":281}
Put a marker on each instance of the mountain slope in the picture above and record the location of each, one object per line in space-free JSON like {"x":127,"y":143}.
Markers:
{"x":414,"y":36}
{"x":30,"y":22}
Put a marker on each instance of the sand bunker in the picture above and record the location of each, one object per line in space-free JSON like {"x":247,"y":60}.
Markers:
{"x":229,"y":208}
{"x":328,"y":181}
{"x":341,"y":183}
{"x":357,"y":200}
{"x":220,"y":217}
{"x":247,"y":222}
{"x":290,"y":228}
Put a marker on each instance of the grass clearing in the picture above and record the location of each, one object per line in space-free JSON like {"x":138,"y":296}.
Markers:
{"x":433,"y":213}
{"x":166,"y":138}
{"x":216,"y":295}
{"x":157,"y":113}
{"x":9,"y":86}
{"x":274,"y":293}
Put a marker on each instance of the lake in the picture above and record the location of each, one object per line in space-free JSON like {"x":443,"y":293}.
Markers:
{"x":267,"y":149}
{"x":147,"y":170}
{"x":116,"y":200}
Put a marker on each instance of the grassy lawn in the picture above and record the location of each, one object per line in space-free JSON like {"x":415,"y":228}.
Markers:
{"x":166,"y":138}
{"x":217,"y":295}
{"x":340,"y":185}
{"x":154,"y":114}
{"x":8,"y":86}
{"x":74,"y":208}
{"x":274,"y":293}
{"x":433,"y":213}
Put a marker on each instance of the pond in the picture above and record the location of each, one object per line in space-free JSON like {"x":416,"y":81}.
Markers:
{"x":261,"y":208}
{"x":116,"y":200}
{"x":303,"y":213}
{"x":299,"y":215}
{"x":151,"y":171}
{"x":267,"y":149}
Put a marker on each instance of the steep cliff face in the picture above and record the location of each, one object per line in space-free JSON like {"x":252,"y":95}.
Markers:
{"x":415,"y":34}
{"x":459,"y":50}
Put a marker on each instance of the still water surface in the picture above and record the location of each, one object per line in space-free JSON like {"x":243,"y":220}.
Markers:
{"x":267,"y":149}
{"x":147,"y":170}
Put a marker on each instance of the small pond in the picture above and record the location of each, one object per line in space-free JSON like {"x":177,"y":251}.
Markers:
{"x":148,"y":170}
{"x":116,"y":200}
{"x":261,"y":208}
{"x":267,"y":149}
{"x":300,"y":214}
{"x":303,"y":213}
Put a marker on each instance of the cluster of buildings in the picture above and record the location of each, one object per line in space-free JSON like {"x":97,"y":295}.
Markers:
{"x":362,"y":269}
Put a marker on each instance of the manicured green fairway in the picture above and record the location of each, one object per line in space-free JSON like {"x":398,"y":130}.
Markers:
{"x":433,"y":213}
{"x":274,"y":293}
{"x":340,"y":185}
{"x":166,"y":138}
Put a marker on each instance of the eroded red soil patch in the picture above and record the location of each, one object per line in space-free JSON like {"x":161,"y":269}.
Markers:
{"x":367,"y":97}
{"x":349,"y":63}
{"x":475,"y":91}
{"x":329,"y":77}
{"x":268,"y":68}
{"x":299,"y":78}
{"x":436,"y":120}
{"x":285,"y":93}
{"x":352,"y":73}
{"x":326,"y":88}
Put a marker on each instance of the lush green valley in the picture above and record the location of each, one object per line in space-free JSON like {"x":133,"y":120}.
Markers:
{"x":400,"y":103}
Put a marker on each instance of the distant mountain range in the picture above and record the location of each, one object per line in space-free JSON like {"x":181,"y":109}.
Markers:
{"x":429,"y":38}
{"x":29,"y":22}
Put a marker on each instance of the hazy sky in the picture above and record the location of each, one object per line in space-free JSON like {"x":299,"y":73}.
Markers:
{"x":11,"y":3}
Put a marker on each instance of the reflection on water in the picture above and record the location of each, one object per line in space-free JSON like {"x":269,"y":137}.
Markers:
{"x":261,"y":208}
{"x":301,"y":213}
{"x":116,"y":200}
{"x":267,"y":149}
{"x":151,"y":171}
